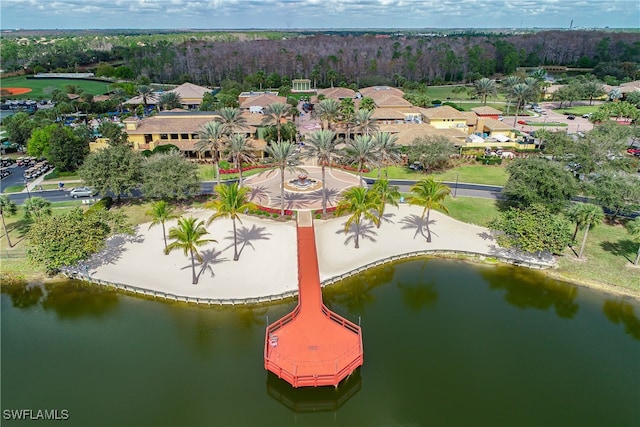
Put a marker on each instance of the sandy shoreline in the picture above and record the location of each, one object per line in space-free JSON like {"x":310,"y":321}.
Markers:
{"x":267,"y":265}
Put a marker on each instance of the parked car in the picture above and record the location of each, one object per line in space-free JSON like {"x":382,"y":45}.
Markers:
{"x":586,"y":115}
{"x":571,"y":117}
{"x":82,"y":192}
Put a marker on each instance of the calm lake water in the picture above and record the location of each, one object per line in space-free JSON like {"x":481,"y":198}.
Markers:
{"x":446,"y":343}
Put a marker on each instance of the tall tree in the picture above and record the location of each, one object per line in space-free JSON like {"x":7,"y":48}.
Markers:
{"x":231,"y":201}
{"x":365,"y":123}
{"x":232,"y":120}
{"x":19,"y":128}
{"x":7,"y":208}
{"x":145,"y":92}
{"x":169,"y":176}
{"x":68,"y":148}
{"x":161,"y":212}
{"x":188,"y":235}
{"x":362,"y":150}
{"x":321,"y":145}
{"x":485,"y":87}
{"x":169,"y":101}
{"x":347,"y":114}
{"x":592,"y":216}
{"x":114,"y":133}
{"x":387,"y":193}
{"x":634,"y":229}
{"x":283,"y":156}
{"x":389,"y":151}
{"x":116,"y":170}
{"x":520,"y":93}
{"x":211,"y":136}
{"x":241,"y":151}
{"x":327,"y":110}
{"x":429,"y":194}
{"x":275,"y":114}
{"x":361,"y":203}
{"x":36,"y":208}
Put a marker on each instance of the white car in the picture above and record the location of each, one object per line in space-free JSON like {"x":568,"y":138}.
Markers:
{"x":82,"y":192}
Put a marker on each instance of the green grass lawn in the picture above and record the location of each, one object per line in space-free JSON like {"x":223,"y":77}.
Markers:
{"x":207,"y":173}
{"x":472,"y":210}
{"x":608,"y":258}
{"x":13,"y":189}
{"x":578,"y":110}
{"x":42,"y":88}
{"x":476,"y":174}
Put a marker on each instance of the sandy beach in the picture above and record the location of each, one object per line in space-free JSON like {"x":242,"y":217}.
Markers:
{"x":267,"y":264}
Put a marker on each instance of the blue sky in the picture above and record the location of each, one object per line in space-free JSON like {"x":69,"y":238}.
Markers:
{"x":283,"y":14}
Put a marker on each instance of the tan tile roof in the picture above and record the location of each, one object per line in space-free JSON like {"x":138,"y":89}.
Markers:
{"x":100,"y":98}
{"x":190,"y":91}
{"x":177,"y":122}
{"x":407,"y":133}
{"x":443,"y":112}
{"x":395,"y":113}
{"x":262,"y":100}
{"x":373,"y":91}
{"x":390,"y":100}
{"x":472,"y":118}
{"x":152,"y":99}
{"x":486,"y":111}
{"x":493,"y":125}
{"x":337,"y":93}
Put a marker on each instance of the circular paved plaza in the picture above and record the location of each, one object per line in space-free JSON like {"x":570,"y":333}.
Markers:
{"x":266,"y":188}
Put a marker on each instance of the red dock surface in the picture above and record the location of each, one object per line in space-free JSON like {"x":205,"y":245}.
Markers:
{"x":312,"y":346}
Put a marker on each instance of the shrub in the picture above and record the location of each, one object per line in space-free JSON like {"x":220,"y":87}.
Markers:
{"x":104,"y":203}
{"x":223,"y":164}
{"x":275,"y":215}
{"x":489,"y":160}
{"x":436,"y":102}
{"x":318,"y":216}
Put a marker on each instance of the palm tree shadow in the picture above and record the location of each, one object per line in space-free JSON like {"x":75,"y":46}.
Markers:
{"x":365,"y":231}
{"x":417,"y":222}
{"x":624,"y":247}
{"x":246,"y":236}
{"x":331,"y":195}
{"x":258,"y":194}
{"x":387,"y":218}
{"x":486,"y":236}
{"x":209,"y":257}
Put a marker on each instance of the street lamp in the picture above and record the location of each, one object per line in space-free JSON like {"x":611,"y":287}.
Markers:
{"x":455,"y":189}
{"x":26,"y":185}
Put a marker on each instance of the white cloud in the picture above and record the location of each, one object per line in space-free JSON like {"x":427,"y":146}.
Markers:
{"x":315,"y":13}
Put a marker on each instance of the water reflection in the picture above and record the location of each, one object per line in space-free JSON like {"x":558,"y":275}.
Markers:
{"x":69,"y":299}
{"x":23,"y":295}
{"x":355,"y":293}
{"x":618,"y":312}
{"x":529,"y":289}
{"x":308,"y":399}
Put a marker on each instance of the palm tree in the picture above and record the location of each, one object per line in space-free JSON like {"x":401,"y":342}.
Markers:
{"x":169,"y":101}
{"x":362,"y":150}
{"x":275,"y":113}
{"x":232,"y":200}
{"x":232,"y":119}
{"x":347,"y":113}
{"x":387,"y":194}
{"x":321,"y":145}
{"x":211,"y":134}
{"x":578,"y":214}
{"x":161,"y":212}
{"x":389,"y":151}
{"x":591,"y":216}
{"x":327,"y":110}
{"x":360,"y":203}
{"x":187,"y":235}
{"x":365,"y":123}
{"x":7,"y":208}
{"x":119,"y":95}
{"x":430,"y":194}
{"x":283,"y":155}
{"x":485,"y":87}
{"x":37,"y":208}
{"x":634,"y":229}
{"x":520,"y":93}
{"x":145,"y":91}
{"x":241,"y":151}
{"x":507,"y":84}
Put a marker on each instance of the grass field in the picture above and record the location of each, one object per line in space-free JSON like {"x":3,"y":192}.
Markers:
{"x":444,"y":92}
{"x":476,"y":174}
{"x":42,"y":88}
{"x":472,"y":210}
{"x":578,"y":110}
{"x":207,"y":173}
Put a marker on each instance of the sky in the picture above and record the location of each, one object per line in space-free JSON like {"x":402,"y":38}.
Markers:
{"x":315,"y":14}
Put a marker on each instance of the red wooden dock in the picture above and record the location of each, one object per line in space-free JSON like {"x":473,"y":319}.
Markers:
{"x":311,"y":346}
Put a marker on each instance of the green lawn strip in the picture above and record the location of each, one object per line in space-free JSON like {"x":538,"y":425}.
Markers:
{"x":13,"y":189}
{"x":472,"y":210}
{"x":578,"y":110}
{"x":608,"y":258}
{"x":42,"y":88}
{"x":207,"y":173}
{"x":547,"y":124}
{"x":477,"y":174}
